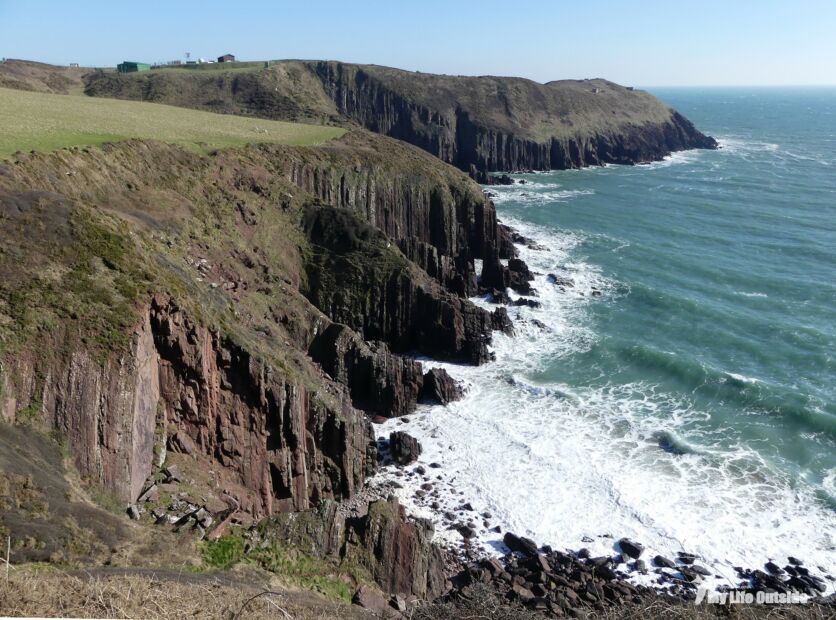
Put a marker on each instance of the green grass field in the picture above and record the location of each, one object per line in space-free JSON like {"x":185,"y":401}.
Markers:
{"x":45,"y":122}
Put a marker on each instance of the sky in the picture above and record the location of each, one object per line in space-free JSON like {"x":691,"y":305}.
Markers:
{"x":633,"y":42}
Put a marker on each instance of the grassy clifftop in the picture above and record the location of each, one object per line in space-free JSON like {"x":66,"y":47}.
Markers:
{"x":492,"y":123}
{"x":44,"y":122}
{"x":489,"y":122}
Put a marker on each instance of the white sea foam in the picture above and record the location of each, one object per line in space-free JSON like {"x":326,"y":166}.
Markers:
{"x":536,"y":193}
{"x":750,"y":294}
{"x":679,"y":157}
{"x":741,"y":378}
{"x":562,"y":464}
{"x":736,"y":145}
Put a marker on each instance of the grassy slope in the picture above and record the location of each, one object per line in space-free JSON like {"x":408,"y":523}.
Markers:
{"x":41,"y":77}
{"x":44,"y":122}
{"x":285,"y":91}
{"x":163,"y":595}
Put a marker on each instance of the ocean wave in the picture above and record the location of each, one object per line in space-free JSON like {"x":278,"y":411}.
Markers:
{"x":735,"y":145}
{"x":521,"y":194}
{"x":750,"y":294}
{"x":560,"y":465}
{"x":679,"y":157}
{"x":737,"y":379}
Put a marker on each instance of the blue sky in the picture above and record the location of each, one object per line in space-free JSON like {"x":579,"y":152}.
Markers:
{"x":640,"y":42}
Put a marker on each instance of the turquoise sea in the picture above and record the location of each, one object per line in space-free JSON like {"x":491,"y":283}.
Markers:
{"x":683,"y":391}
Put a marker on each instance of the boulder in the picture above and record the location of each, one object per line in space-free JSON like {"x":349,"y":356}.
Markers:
{"x":686,"y":558}
{"x":367,"y":598}
{"x":520,"y":544}
{"x":172,"y":474}
{"x":151,"y":494}
{"x":663,"y":562}
{"x":180,"y":442}
{"x":525,"y":301}
{"x":404,"y":448}
{"x":560,"y":281}
{"x":631,"y":548}
{"x":440,"y":387}
{"x":501,"y":322}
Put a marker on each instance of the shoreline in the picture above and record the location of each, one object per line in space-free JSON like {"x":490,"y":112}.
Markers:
{"x":461,"y":530}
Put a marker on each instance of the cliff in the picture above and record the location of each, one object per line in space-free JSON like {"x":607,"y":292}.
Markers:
{"x":244,"y":310}
{"x":487,"y":123}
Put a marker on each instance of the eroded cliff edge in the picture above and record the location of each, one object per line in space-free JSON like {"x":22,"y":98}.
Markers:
{"x":250,"y":309}
{"x":482,"y":123}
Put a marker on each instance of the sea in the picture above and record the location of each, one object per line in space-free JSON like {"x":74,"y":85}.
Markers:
{"x":679,"y":389}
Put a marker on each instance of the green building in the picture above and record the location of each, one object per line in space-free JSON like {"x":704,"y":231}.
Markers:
{"x":132,"y":67}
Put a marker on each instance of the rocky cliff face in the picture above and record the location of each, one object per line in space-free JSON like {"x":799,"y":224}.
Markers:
{"x":288,"y":449}
{"x":281,"y":445}
{"x":479,"y":123}
{"x":244,"y":313}
{"x":397,"y":552}
{"x":244,"y":310}
{"x":107,"y":412}
{"x":465,"y":132}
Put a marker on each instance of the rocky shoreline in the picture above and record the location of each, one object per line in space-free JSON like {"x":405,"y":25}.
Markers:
{"x":571,"y":582}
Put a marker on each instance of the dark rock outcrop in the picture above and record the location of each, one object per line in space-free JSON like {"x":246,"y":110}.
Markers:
{"x":380,"y":383}
{"x":498,"y":277}
{"x":398,"y":552}
{"x":358,"y":280}
{"x":520,"y":543}
{"x":631,"y":548}
{"x":404,"y":448}
{"x":440,"y":387}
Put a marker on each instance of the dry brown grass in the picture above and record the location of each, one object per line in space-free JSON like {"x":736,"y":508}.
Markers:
{"x":158,"y":596}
